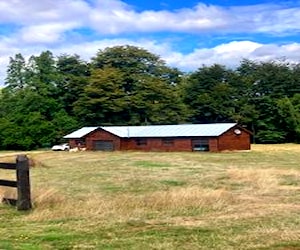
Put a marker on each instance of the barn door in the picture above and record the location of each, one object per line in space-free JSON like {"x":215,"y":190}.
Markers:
{"x":104,"y":145}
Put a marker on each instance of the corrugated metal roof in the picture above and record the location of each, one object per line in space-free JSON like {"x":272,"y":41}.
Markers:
{"x":80,"y":132}
{"x":214,"y":129}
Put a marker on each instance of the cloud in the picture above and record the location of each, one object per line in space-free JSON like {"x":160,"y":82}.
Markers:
{"x":60,"y":26}
{"x":123,"y":19}
{"x":28,"y":12}
{"x":228,"y":54}
{"x":43,"y":21}
{"x":45,"y":33}
{"x":263,"y":18}
{"x":116,"y":17}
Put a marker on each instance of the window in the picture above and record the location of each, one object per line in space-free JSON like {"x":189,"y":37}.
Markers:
{"x":141,"y":142}
{"x":167,"y":142}
{"x":200,"y":145}
{"x":80,"y":142}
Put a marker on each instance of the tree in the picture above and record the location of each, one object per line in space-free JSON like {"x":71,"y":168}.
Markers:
{"x":272,"y":79}
{"x":135,"y":96}
{"x":289,"y":117}
{"x":29,"y":106}
{"x":267,"y":87}
{"x":268,"y":127}
{"x":210,"y":95}
{"x":293,"y":87}
{"x":104,"y":99}
{"x":73,"y":77}
{"x":16,"y":73}
{"x":43,"y":75}
{"x":134,"y":61}
{"x":156,"y":102}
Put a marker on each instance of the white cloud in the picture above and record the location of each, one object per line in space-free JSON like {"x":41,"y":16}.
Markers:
{"x":116,"y":17}
{"x":47,"y":24}
{"x":43,"y":21}
{"x":229,"y":54}
{"x":123,"y":19}
{"x":28,"y":12}
{"x":44,"y":33}
{"x":264,"y":18}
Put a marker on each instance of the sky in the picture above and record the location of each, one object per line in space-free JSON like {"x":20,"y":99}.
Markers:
{"x":186,"y":34}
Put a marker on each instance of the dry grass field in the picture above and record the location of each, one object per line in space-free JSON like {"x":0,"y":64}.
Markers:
{"x":135,"y":200}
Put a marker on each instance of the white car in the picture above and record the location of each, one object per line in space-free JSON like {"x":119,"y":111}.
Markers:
{"x":61,"y":147}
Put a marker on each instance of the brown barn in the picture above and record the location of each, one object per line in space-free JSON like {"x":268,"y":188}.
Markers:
{"x":188,"y":137}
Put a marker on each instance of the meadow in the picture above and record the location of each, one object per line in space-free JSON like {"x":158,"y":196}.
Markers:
{"x":138,"y":200}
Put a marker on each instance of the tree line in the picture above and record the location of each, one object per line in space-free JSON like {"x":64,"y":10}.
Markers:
{"x":46,"y":97}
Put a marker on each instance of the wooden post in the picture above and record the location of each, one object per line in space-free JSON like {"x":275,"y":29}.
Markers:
{"x":23,"y":183}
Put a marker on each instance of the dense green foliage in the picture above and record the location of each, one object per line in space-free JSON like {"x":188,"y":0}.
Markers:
{"x":46,"y":97}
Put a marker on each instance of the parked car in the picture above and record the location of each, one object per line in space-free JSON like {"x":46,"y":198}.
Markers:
{"x":61,"y":147}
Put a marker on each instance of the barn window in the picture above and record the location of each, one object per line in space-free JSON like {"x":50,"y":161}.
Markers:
{"x":168,"y":142}
{"x":200,"y":144}
{"x":141,"y":142}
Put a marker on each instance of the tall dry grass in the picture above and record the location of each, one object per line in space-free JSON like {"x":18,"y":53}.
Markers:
{"x":247,"y":197}
{"x":51,"y":204}
{"x":269,"y":148}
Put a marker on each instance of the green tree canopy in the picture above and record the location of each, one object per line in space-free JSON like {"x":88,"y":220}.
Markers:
{"x":46,"y":97}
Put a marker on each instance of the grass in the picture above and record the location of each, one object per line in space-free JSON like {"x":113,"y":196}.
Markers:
{"x":136,"y":200}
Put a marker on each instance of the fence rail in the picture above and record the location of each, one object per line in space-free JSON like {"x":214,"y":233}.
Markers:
{"x":4,"y":165}
{"x":8,"y":183}
{"x":22,"y":182}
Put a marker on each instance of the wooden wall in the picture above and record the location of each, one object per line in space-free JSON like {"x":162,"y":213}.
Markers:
{"x":102,"y":135}
{"x":227,"y":141}
{"x":230,"y":141}
{"x":156,"y":144}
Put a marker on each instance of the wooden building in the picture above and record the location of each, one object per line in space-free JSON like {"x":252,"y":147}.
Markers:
{"x":188,"y":137}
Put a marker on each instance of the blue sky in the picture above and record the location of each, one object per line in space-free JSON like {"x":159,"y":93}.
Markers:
{"x":185,"y":33}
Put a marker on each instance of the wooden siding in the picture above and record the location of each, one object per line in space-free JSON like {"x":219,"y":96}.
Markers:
{"x":213,"y":144}
{"x":156,"y":144}
{"x":232,"y":141}
{"x":102,"y":135}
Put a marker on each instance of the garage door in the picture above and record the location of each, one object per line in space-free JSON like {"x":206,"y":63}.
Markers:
{"x":104,"y":145}
{"x":200,"y":144}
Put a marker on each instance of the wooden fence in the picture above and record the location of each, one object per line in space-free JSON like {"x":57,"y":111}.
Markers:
{"x":22,"y":183}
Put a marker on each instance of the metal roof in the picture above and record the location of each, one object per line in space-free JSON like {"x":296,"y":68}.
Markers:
{"x":214,"y":129}
{"x":80,"y":132}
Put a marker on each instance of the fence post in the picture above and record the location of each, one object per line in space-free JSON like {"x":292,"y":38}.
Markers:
{"x":23,"y":183}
